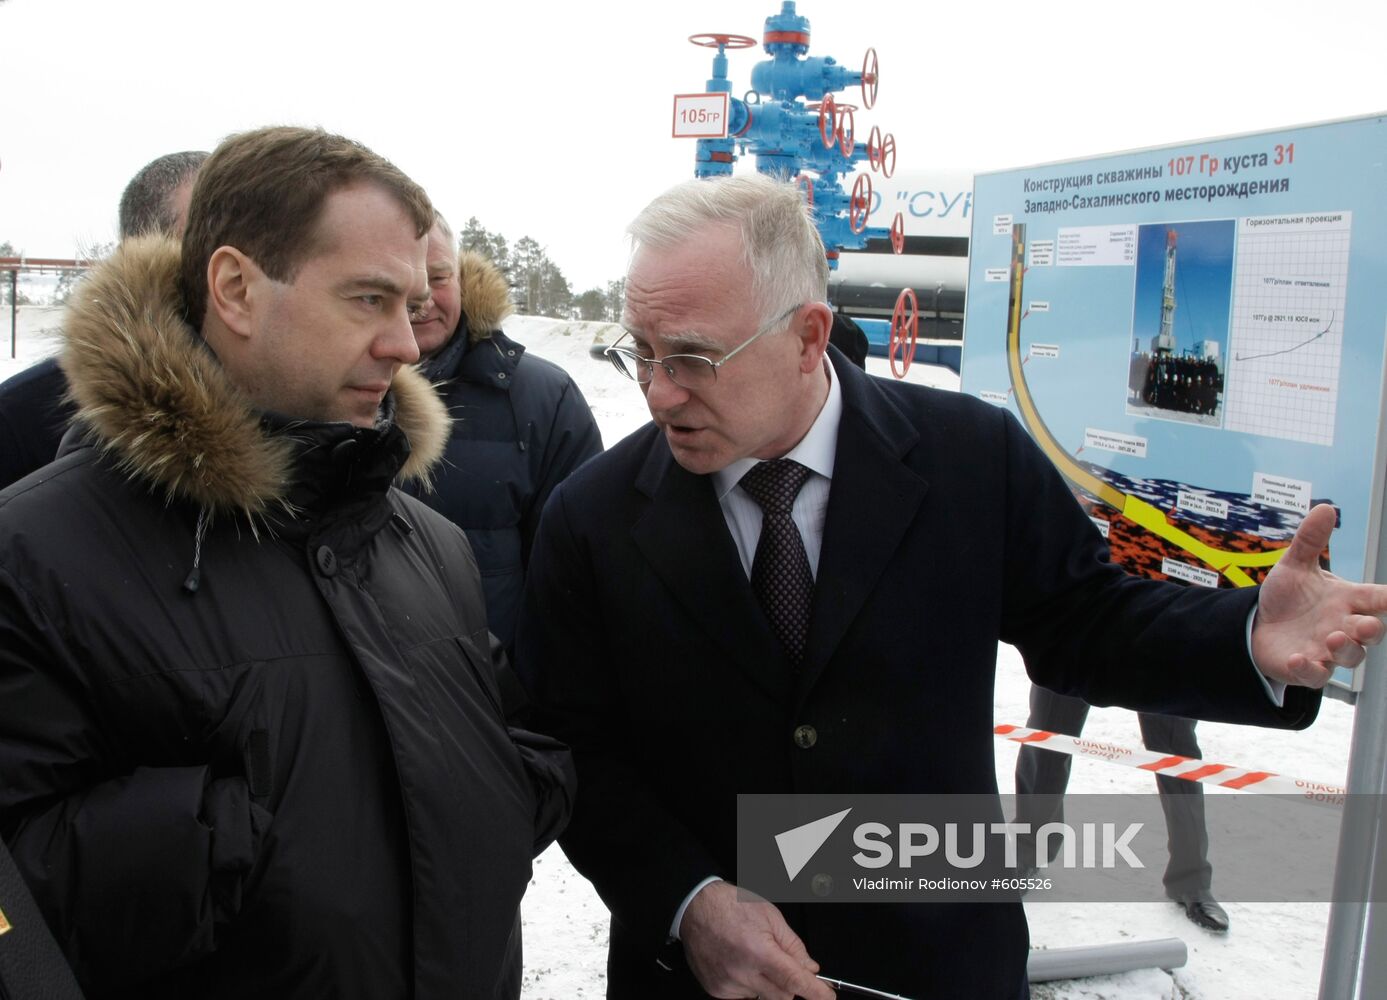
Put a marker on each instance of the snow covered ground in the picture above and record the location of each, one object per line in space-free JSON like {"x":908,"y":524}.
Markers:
{"x":1273,"y":950}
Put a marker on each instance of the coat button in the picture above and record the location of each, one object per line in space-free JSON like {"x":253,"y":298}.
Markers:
{"x":327,"y":561}
{"x":806,"y":737}
{"x":501,"y":376}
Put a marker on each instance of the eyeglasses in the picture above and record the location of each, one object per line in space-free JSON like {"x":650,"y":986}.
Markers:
{"x":691,"y":371}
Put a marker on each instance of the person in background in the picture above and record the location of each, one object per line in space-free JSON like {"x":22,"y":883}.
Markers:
{"x":1042,"y":776}
{"x":34,"y":409}
{"x":520,"y":424}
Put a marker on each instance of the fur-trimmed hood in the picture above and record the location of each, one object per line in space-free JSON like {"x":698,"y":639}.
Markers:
{"x":158,"y":402}
{"x":485,"y":295}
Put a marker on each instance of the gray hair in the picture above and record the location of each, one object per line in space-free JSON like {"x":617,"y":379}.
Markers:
{"x":446,"y":229}
{"x":146,"y":206}
{"x":781,"y":247}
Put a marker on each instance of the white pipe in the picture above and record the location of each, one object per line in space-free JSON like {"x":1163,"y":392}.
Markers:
{"x":1048,"y":964}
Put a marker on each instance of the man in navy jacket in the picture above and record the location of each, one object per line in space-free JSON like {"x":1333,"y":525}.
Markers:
{"x":933,"y":529}
{"x":520,"y":424}
{"x":34,"y":409}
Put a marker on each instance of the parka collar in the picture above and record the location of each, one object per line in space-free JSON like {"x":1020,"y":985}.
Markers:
{"x":491,"y":361}
{"x":336,"y":461}
{"x":484,"y":295}
{"x":159,"y":404}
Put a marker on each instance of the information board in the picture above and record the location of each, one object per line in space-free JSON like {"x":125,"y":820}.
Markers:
{"x":1195,"y":336}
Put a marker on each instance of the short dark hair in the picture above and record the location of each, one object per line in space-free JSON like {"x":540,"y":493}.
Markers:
{"x":263,"y":192}
{"x":146,"y":206}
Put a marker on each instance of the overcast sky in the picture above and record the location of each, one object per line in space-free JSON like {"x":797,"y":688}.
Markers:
{"x":552,"y":118}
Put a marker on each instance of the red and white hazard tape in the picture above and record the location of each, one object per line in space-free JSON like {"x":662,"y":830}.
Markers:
{"x":1186,"y":768}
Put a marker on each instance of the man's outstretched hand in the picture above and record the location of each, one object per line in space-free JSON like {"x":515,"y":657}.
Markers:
{"x":1308,"y":619}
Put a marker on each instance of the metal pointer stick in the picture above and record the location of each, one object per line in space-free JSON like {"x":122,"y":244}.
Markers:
{"x":865,"y":991}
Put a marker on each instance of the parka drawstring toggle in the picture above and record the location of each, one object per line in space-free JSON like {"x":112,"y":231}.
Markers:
{"x":195,"y":577}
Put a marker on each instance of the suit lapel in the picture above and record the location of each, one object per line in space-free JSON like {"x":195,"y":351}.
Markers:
{"x":684,"y":536}
{"x":872,"y":503}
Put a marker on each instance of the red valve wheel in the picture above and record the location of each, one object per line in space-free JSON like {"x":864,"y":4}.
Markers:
{"x":870,"y":76}
{"x":713,"y":40}
{"x":874,"y":147}
{"x":860,"y":204}
{"x":807,"y":183}
{"x":898,"y":234}
{"x":837,"y":105}
{"x":903,"y":326}
{"x":828,"y":121}
{"x":847,"y":122}
{"x":888,"y":155}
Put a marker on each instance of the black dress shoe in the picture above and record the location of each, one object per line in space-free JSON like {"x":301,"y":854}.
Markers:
{"x":1204,"y":910}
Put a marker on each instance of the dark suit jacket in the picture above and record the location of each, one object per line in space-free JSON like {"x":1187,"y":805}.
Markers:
{"x":34,"y":413}
{"x":947,"y":530}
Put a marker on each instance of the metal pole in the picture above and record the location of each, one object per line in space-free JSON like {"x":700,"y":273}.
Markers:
{"x":14,"y":313}
{"x":1355,"y":928}
{"x":1356,"y":871}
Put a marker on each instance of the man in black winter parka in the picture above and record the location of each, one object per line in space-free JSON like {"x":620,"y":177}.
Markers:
{"x":520,"y":424}
{"x":250,"y":739}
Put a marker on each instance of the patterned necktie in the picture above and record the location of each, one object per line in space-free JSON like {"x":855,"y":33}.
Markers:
{"x":780,"y":575}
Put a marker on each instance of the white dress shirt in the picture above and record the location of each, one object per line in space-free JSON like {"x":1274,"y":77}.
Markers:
{"x":815,"y":452}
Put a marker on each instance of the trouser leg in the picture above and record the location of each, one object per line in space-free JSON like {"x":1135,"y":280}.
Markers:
{"x":1188,"y":870}
{"x":1043,"y":775}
